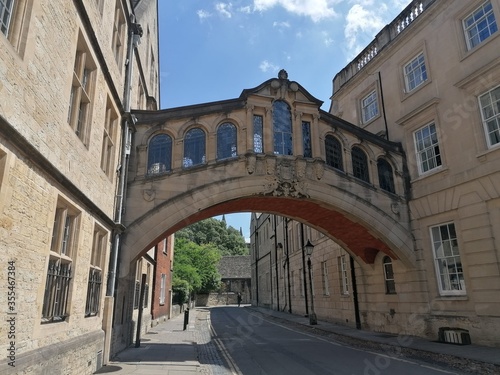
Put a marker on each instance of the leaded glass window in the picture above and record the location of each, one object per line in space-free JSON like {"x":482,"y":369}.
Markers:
{"x":333,"y":150}
{"x":385,"y":176}
{"x":258,"y":134}
{"x":306,"y":139}
{"x":160,"y":154}
{"x":282,"y":124}
{"x":359,"y":164}
{"x":194,"y":148}
{"x":226,"y":141}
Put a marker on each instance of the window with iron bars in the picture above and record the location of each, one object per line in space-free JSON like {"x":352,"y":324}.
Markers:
{"x":59,"y":271}
{"x":94,"y":288}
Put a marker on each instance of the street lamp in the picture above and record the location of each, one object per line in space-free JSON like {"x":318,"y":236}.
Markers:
{"x":312,"y":315}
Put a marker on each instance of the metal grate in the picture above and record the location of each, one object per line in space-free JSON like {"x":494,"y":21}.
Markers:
{"x":55,"y":300}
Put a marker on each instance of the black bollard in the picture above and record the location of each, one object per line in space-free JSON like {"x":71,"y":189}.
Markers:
{"x":186,"y":318}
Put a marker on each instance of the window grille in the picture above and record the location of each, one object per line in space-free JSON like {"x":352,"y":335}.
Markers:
{"x":385,"y":175}
{"x":56,"y":292}
{"x":390,"y":284}
{"x":194,"y":148}
{"x":333,"y":150}
{"x":258,"y":134}
{"x":93,"y":293}
{"x":282,"y":125}
{"x":427,"y":148}
{"x":359,"y":164}
{"x":226,"y":141}
{"x":160,"y":154}
{"x":6,"y":9}
{"x":415,"y":72}
{"x":306,"y":139}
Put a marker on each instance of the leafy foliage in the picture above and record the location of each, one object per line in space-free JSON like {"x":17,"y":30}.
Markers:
{"x":196,"y":265}
{"x":226,"y":239}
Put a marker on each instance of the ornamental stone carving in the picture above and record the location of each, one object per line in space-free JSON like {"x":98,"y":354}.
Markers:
{"x":287,"y":180}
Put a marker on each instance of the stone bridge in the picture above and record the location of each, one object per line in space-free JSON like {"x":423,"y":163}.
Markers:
{"x":270,"y":150}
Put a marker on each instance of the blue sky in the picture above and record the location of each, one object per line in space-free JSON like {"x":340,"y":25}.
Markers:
{"x":212,"y":50}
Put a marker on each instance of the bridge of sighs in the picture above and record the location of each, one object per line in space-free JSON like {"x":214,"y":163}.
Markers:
{"x":272,"y":150}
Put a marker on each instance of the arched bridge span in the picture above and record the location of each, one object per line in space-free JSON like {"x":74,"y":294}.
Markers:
{"x":270,"y":150}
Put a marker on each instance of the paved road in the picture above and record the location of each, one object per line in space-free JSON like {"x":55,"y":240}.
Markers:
{"x":255,"y":346}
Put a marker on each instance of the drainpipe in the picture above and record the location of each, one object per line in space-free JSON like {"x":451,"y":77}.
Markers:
{"x":304,"y":267}
{"x":355,"y":294}
{"x":288,"y":266}
{"x":134,"y":36}
{"x":383,"y":105}
{"x":276,"y":265}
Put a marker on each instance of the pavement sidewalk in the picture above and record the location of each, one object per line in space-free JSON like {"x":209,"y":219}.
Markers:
{"x":167,"y":349}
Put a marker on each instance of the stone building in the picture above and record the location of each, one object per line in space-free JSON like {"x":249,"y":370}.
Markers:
{"x":430,"y":80}
{"x":235,"y":275}
{"x":69,"y":73}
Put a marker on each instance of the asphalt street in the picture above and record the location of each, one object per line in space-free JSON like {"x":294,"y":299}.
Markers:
{"x":253,"y":345}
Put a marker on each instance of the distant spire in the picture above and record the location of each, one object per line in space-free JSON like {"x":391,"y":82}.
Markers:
{"x":224,"y":218}
{"x":241,"y":232}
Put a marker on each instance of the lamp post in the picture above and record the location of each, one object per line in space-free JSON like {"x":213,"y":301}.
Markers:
{"x":312,"y":315}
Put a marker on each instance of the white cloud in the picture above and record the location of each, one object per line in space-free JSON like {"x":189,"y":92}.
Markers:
{"x":281,"y":25}
{"x":362,"y":23}
{"x":316,"y":9}
{"x":224,"y":9}
{"x":202,"y":14}
{"x":246,"y":9}
{"x":327,"y":39}
{"x":267,"y":66}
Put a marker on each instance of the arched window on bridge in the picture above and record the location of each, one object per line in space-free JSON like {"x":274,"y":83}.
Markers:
{"x":385,"y":176}
{"x":282,"y":127}
{"x":160,"y":154}
{"x":360,"y":164}
{"x":333,"y":149}
{"x":226,"y":141}
{"x":194,"y":148}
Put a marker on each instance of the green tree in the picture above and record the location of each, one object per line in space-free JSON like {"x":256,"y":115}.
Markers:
{"x":195,"y":265}
{"x":227,"y":240}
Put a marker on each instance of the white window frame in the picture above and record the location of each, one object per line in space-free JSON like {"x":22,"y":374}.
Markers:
{"x":446,"y":280}
{"x":369,"y":106}
{"x":324,"y":278}
{"x":423,"y":148}
{"x":412,"y":76}
{"x":344,"y":278}
{"x":490,"y":114}
{"x":473,"y":26}
{"x":163,"y":284}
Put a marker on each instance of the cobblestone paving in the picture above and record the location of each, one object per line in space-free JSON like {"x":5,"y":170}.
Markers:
{"x":208,"y":354}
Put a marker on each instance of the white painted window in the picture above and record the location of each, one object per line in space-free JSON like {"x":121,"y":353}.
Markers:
{"x":109,"y":140}
{"x":479,"y":25}
{"x":390,"y":284}
{"x":369,"y":106}
{"x":163,"y":288}
{"x":344,"y":278}
{"x":324,"y":278}
{"x":427,"y":148}
{"x":415,"y":72}
{"x":490,"y":113}
{"x":449,"y":268}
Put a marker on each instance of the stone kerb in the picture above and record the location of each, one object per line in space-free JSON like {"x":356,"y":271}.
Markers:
{"x":251,"y":183}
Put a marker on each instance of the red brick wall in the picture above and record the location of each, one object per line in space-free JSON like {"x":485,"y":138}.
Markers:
{"x":163,"y":257}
